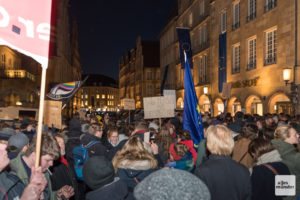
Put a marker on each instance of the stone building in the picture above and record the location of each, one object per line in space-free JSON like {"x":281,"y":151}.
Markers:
{"x":247,"y":43}
{"x":20,"y":75}
{"x":100,"y":93}
{"x":139,"y":72}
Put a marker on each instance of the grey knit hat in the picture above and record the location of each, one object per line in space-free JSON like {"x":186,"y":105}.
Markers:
{"x":171,"y":184}
{"x":18,"y":140}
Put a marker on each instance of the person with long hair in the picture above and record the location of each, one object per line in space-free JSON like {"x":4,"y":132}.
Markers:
{"x":240,"y":150}
{"x":164,"y":140}
{"x":267,"y":165}
{"x":134,"y":162}
{"x":285,"y":137}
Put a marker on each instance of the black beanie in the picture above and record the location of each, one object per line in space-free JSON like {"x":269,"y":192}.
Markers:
{"x":97,"y":172}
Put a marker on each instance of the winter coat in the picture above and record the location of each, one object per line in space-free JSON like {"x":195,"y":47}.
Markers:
{"x":240,"y":152}
{"x":98,"y":149}
{"x":133,"y":172}
{"x":201,"y":152}
{"x":263,"y":179}
{"x":225,"y":178}
{"x":64,"y":175}
{"x":11,"y":187}
{"x":190,"y":144}
{"x":17,"y":167}
{"x":116,"y":190}
{"x":291,"y":158}
{"x":73,"y":134}
{"x":185,"y":163}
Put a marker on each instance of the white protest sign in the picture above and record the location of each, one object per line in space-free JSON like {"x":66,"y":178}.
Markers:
{"x":129,"y":104}
{"x":171,"y":93}
{"x":158,"y":107}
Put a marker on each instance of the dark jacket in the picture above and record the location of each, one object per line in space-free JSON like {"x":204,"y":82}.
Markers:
{"x":11,"y":187}
{"x":73,"y":137}
{"x":117,"y":190}
{"x":291,"y":158}
{"x":225,"y":178}
{"x":263,"y":181}
{"x":98,"y":149}
{"x":64,"y":175}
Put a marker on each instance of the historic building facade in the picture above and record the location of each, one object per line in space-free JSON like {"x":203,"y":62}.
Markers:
{"x":100,"y":93}
{"x":247,"y":44}
{"x":20,"y":75}
{"x":139,"y":72}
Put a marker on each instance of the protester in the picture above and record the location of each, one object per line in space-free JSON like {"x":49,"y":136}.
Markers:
{"x":163,"y":140}
{"x":22,"y":164}
{"x":202,"y":151}
{"x":225,"y":178}
{"x":181,"y":157}
{"x":95,"y":132}
{"x":267,"y":165}
{"x":285,"y":137}
{"x":63,"y":171}
{"x":240,"y":151}
{"x":99,"y":175}
{"x":238,"y":122}
{"x":17,"y":143}
{"x":134,"y":162}
{"x":184,"y":137}
{"x":113,"y":136}
{"x":172,"y":184}
{"x":11,"y":187}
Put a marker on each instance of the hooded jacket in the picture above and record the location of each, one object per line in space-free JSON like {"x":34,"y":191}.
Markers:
{"x":133,"y":172}
{"x":98,"y":149}
{"x":291,"y":158}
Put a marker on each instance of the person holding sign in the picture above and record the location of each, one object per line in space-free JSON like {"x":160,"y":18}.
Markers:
{"x":11,"y":187}
{"x":49,"y":152}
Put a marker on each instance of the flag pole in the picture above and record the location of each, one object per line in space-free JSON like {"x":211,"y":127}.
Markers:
{"x":40,"y":122}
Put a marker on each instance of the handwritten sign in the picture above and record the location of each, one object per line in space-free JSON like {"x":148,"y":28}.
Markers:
{"x":52,"y":113}
{"x":129,"y":104}
{"x":158,"y":107}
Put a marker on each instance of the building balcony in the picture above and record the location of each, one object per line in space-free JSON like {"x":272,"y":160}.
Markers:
{"x":270,"y":5}
{"x":236,"y":25}
{"x":251,"y":17}
{"x":270,"y":60}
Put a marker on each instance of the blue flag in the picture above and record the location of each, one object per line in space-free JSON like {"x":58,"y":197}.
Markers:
{"x":185,"y":46}
{"x":192,"y":120}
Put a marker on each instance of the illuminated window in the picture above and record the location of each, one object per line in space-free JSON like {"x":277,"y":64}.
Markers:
{"x":235,"y":59}
{"x":86,"y":96}
{"x":86,"y":103}
{"x":271,"y":47}
{"x":81,"y":96}
{"x":103,"y":96}
{"x":251,"y":54}
{"x":97,"y":96}
{"x":112,"y":96}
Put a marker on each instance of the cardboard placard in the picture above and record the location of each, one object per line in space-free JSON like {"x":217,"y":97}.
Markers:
{"x":158,"y":107}
{"x":171,"y":93}
{"x":52,"y":113}
{"x":129,"y":104}
{"x":226,"y":90}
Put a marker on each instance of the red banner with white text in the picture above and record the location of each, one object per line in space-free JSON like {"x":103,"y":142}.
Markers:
{"x":25,"y":25}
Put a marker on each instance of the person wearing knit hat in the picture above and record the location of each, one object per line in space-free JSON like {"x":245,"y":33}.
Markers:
{"x":5,"y":133}
{"x":168,"y":183}
{"x":17,"y":143}
{"x":99,"y":175}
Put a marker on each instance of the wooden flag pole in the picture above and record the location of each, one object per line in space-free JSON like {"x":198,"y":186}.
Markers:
{"x":40,"y":122}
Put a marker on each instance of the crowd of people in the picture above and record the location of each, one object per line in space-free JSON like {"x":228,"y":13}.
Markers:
{"x":238,"y":158}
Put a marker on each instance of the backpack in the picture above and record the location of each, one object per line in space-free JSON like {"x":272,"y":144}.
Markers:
{"x":80,"y":156}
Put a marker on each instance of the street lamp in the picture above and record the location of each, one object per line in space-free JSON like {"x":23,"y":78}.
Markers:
{"x":205,"y":90}
{"x":287,"y":77}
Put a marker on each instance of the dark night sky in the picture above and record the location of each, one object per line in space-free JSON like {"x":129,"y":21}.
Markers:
{"x":108,"y":27}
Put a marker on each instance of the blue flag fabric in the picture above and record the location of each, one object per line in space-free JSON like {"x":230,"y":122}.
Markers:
{"x":185,"y":46}
{"x":192,"y":120}
{"x":222,"y":61}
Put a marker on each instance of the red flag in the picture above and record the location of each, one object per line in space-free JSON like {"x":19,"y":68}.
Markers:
{"x":25,"y":27}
